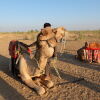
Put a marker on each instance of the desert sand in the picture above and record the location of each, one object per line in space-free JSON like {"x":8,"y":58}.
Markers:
{"x":69,"y":87}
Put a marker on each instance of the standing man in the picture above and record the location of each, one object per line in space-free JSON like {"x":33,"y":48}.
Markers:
{"x":45,"y":35}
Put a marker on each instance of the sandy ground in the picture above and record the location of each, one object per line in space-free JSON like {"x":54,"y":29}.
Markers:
{"x":66,"y":88}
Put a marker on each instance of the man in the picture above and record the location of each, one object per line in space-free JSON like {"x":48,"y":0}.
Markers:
{"x":40,"y":34}
{"x":45,"y":34}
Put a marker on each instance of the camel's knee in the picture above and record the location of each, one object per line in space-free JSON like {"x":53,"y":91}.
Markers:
{"x":29,"y":82}
{"x":46,"y":80}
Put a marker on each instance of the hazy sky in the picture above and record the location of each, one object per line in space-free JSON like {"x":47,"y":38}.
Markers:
{"x":24,"y":15}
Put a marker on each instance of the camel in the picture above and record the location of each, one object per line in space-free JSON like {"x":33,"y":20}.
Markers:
{"x":89,"y":52}
{"x":34,"y":68}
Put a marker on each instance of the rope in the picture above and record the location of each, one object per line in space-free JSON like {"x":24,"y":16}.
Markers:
{"x":53,"y":64}
{"x":63,"y":43}
{"x":17,"y":52}
{"x":36,"y":61}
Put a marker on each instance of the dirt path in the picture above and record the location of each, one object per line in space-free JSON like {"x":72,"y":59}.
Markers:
{"x":65,"y":89}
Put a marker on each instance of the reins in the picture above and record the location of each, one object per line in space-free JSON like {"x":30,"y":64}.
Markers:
{"x":55,"y":60}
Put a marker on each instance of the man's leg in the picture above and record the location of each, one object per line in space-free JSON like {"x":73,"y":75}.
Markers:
{"x":55,"y":52}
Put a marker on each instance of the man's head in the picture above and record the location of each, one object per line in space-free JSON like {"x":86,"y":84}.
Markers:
{"x":47,"y":25}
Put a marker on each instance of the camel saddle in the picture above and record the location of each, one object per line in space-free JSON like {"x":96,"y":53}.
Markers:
{"x":89,"y":52}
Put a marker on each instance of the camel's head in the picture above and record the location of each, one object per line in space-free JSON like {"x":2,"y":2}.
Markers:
{"x":81,"y":54}
{"x":59,"y":32}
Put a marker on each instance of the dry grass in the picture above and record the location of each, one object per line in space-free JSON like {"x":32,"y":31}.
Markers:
{"x":25,"y":35}
{"x":76,"y":35}
{"x":81,"y":35}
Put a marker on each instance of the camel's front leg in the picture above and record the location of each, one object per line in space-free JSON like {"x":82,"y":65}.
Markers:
{"x":40,"y":72}
{"x":41,"y":66}
{"x":26,"y":78}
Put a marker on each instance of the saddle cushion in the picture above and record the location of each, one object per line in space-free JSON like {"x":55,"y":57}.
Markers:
{"x":89,"y":52}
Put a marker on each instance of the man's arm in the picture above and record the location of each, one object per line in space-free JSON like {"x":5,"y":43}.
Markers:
{"x":33,"y":44}
{"x":46,"y":35}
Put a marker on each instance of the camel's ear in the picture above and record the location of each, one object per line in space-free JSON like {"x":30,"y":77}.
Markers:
{"x":64,"y":29}
{"x":54,"y":30}
{"x":86,"y":44}
{"x":43,"y":31}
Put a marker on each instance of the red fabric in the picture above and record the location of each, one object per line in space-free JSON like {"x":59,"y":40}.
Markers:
{"x":12,"y":49}
{"x":96,"y":57}
{"x":93,"y":54}
{"x":92,"y":48}
{"x":89,"y":55}
{"x":29,"y":50}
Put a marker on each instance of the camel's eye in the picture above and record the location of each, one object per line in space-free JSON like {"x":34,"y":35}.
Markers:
{"x":55,"y":31}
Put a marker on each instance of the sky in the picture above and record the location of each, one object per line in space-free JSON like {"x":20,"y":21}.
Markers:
{"x":24,"y":15}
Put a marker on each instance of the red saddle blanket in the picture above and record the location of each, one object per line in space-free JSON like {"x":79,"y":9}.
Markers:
{"x":15,"y":49}
{"x":90,"y":52}
{"x":92,"y":55}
